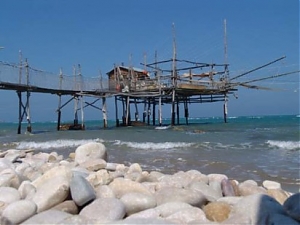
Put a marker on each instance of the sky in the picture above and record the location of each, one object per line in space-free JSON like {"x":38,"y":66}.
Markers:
{"x":98,"y":34}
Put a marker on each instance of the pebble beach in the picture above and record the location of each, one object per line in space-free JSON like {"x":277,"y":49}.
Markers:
{"x":85,"y":188}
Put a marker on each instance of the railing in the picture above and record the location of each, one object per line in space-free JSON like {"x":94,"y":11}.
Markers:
{"x":25,"y":75}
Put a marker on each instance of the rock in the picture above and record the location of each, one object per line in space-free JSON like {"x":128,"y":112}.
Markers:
{"x":26,"y":190}
{"x":148,"y":221}
{"x":217,"y":211}
{"x":18,"y":212}
{"x":148,"y":213}
{"x":205,"y":189}
{"x":136,"y":202}
{"x":122,"y":186}
{"x":170,"y":208}
{"x":51,"y":193}
{"x":257,"y":207}
{"x":179,"y":179}
{"x":135,"y":167}
{"x":50,"y":216}
{"x":187,"y":215}
{"x":9,"y":195}
{"x":195,"y":175}
{"x":77,"y":219}
{"x":68,"y":206}
{"x":54,"y":172}
{"x":268,"y":184}
{"x":247,"y":188}
{"x":235,"y":186}
{"x":216,"y":177}
{"x":92,"y":150}
{"x":216,"y":186}
{"x":12,"y":155}
{"x":239,"y":219}
{"x":104,"y":191}
{"x":156,"y":176}
{"x":101,"y":177}
{"x":278,"y":194}
{"x":20,"y":168}
{"x":82,"y":191}
{"x":9,"y":178}
{"x":172,"y":194}
{"x":292,"y":206}
{"x":227,"y":188}
{"x":104,"y":210}
{"x":6,"y":164}
{"x":231,"y":200}
{"x":94,"y":164}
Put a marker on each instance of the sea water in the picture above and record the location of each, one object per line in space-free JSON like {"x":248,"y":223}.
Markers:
{"x":254,"y":147}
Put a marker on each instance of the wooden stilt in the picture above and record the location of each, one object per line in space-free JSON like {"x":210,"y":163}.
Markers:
{"x":116,"y":108}
{"x":123,"y":112}
{"x":225,"y":111}
{"x":153,"y":112}
{"x":82,"y":113}
{"x":186,"y":112}
{"x":136,"y":114}
{"x":177,"y":110}
{"x":20,"y":112}
{"x":104,"y":112}
{"x":76,"y":111}
{"x":149,"y":111}
{"x":29,"y":128}
{"x":59,"y":113}
{"x":145,"y":112}
{"x":58,"y":119}
{"x":173,"y":108}
{"x":127,"y":110}
{"x":59,"y":100}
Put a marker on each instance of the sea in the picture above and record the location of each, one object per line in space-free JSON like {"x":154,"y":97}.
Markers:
{"x":247,"y":147}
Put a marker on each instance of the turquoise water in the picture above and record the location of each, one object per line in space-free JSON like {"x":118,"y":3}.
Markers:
{"x":258,"y":147}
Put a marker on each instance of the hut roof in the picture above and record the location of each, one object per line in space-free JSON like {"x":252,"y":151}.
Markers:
{"x":139,"y":70}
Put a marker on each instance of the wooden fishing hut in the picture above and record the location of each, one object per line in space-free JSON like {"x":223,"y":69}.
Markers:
{"x":192,"y":82}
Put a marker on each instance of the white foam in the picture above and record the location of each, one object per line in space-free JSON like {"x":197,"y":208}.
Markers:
{"x":289,"y":145}
{"x":54,"y":144}
{"x":152,"y":145}
{"x":162,"y":127}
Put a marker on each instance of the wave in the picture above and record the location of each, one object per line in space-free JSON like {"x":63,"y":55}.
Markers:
{"x":64,"y":143}
{"x":154,"y":146}
{"x":288,"y":145}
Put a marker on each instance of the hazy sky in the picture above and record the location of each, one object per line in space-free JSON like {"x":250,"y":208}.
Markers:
{"x":97,"y":34}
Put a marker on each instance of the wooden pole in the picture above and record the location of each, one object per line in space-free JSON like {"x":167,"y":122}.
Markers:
{"x":104,"y":112}
{"x":173,"y":79}
{"x":81,"y":97}
{"x":145,"y":111}
{"x":159,"y":103}
{"x":29,"y":128}
{"x":177,"y":110}
{"x":225,"y":111}
{"x":59,"y":101}
{"x":186,"y":112}
{"x":148,"y":112}
{"x":20,"y":111}
{"x":153,"y":112}
{"x":136,"y":115}
{"x":116,"y":111}
{"x":123,"y":114}
{"x":127,"y":110}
